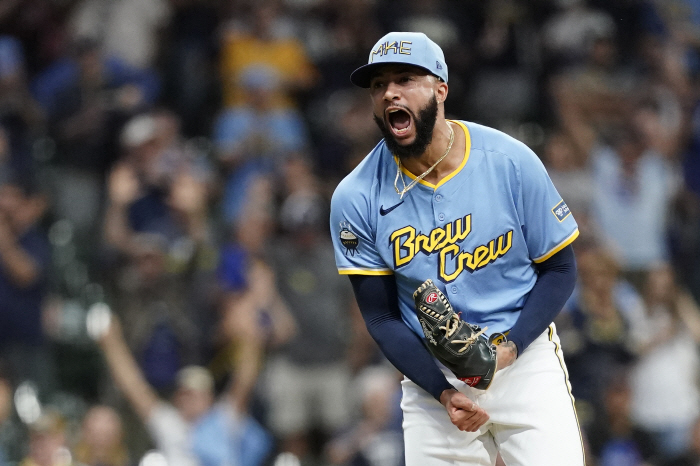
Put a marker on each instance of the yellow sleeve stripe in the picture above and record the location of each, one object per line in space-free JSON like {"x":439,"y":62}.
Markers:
{"x":365,"y":272}
{"x":558,"y":248}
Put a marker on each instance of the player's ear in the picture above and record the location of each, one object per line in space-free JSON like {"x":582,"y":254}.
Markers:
{"x":440,"y":90}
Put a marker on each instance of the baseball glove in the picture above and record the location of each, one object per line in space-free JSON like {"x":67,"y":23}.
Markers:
{"x":457,"y":344}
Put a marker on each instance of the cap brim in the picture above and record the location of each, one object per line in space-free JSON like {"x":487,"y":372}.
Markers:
{"x":362,"y":76}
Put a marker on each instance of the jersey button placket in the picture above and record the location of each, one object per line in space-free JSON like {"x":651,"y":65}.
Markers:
{"x":441,"y":216}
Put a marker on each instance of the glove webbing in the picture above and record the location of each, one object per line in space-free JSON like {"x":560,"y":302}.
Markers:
{"x":451,"y":326}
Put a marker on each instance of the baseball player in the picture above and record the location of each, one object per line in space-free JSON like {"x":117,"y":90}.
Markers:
{"x":473,"y":210}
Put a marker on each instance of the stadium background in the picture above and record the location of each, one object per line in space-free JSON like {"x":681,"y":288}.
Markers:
{"x":173,"y":160}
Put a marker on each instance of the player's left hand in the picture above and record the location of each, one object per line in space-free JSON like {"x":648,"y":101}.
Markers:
{"x":464,"y":413}
{"x":506,"y":354}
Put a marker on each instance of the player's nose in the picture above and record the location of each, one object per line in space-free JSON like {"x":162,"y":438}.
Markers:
{"x":392,"y":91}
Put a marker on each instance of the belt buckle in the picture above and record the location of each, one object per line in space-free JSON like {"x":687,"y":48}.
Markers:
{"x":498,"y":338}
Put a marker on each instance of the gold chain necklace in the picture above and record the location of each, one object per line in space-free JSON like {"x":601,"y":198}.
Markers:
{"x":425,"y":173}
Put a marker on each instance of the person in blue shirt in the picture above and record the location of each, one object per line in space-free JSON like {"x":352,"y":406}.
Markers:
{"x":475,"y":211}
{"x":25,"y":260}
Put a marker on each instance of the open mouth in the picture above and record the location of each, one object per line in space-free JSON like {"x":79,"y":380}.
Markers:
{"x":399,"y":120}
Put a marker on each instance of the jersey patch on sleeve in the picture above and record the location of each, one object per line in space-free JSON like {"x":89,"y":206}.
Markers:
{"x":561,"y":211}
{"x":348,"y":239}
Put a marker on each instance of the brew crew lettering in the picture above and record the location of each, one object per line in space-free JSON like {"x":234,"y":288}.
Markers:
{"x":477,"y":259}
{"x":452,"y":260}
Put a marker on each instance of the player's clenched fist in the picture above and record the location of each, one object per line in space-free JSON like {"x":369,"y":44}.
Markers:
{"x":464,"y":413}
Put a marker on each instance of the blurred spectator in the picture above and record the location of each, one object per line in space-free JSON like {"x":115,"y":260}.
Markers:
{"x":94,"y":78}
{"x":101,"y":440}
{"x":307,"y":380}
{"x":667,"y":339}
{"x":375,"y":438}
{"x":691,"y":456}
{"x":160,"y":187}
{"x":262,"y":42}
{"x":659,"y":115}
{"x":13,"y":439}
{"x":87,"y":99}
{"x":594,"y":97}
{"x":152,"y":303}
{"x":7,"y":170}
{"x":633,"y":187}
{"x":254,"y":320}
{"x":682,"y":18}
{"x":570,"y":173}
{"x":347,"y":135}
{"x":504,"y":88}
{"x":5,"y":413}
{"x":256,"y":137}
{"x":127,"y":29}
{"x":337,"y":37}
{"x":595,"y":326}
{"x":569,"y":34}
{"x":193,"y":429}
{"x":684,"y":239}
{"x":198,"y":267}
{"x":41,"y":27}
{"x":249,"y":236}
{"x":20,"y":116}
{"x":48,"y":441}
{"x":24,"y":264}
{"x":190,"y":78}
{"x":430,"y":17}
{"x":613,"y":437}
{"x":686,"y":212}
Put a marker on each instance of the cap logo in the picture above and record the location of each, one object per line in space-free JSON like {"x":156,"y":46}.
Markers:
{"x":438,"y":65}
{"x":403,"y":48}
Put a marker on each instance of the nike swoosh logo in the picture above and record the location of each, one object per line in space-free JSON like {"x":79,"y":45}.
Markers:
{"x":383,"y":211}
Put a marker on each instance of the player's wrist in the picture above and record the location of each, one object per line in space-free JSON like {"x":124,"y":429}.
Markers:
{"x":515,"y":343}
{"x":510,"y":345}
{"x":446,"y":394}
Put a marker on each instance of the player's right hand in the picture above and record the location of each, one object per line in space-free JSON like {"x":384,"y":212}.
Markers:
{"x":464,"y":413}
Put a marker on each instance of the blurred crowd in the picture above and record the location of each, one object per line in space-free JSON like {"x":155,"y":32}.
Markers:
{"x":168,"y":293}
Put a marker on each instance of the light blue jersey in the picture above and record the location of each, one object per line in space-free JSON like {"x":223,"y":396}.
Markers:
{"x":476,"y":234}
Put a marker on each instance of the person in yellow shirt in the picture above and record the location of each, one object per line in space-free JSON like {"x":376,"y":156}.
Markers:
{"x":285,"y":56}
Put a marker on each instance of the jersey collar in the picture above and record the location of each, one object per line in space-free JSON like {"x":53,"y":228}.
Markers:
{"x":467,"y":150}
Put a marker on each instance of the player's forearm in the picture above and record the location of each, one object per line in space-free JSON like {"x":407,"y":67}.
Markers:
{"x":406,"y":352}
{"x":555,"y":282}
{"x":376,"y":296}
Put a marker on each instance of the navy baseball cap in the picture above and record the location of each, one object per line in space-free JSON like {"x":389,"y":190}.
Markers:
{"x":410,"y":48}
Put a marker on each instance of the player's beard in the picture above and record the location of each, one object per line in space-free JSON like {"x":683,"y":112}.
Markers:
{"x":424,"y":124}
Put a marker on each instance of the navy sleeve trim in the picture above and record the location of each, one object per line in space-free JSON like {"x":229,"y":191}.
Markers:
{"x":377,"y":298}
{"x":555,"y":282}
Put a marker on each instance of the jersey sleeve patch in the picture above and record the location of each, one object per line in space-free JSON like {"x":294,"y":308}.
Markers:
{"x":561,"y":211}
{"x":348,"y":239}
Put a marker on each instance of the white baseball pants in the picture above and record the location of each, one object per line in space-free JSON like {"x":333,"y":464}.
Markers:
{"x":532,"y":418}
